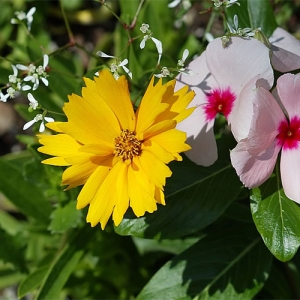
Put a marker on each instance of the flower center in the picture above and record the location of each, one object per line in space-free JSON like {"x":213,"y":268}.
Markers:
{"x":289,"y":134}
{"x":219,"y":101}
{"x":127,"y":145}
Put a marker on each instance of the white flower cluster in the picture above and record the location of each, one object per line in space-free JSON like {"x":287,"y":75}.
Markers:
{"x":115,"y":66}
{"x":22,"y":16}
{"x":224,"y":3}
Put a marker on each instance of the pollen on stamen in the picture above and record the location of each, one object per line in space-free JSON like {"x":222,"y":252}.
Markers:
{"x":127,"y":146}
{"x":219,"y":101}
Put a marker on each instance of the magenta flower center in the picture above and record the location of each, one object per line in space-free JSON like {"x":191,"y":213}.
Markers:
{"x":219,"y":101}
{"x":289,"y":133}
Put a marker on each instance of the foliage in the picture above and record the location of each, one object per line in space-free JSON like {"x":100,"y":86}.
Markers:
{"x":214,"y":239}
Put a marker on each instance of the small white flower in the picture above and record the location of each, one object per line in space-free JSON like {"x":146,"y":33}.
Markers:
{"x":33,"y":102}
{"x":3,"y":97}
{"x":115,"y":66}
{"x":11,"y":92}
{"x":37,"y":118}
{"x":13,"y":78}
{"x":185,"y":3}
{"x":184,"y":57}
{"x":246,"y":32}
{"x":148,"y":35}
{"x":225,"y":3}
{"x":20,"y":16}
{"x":163,"y":73}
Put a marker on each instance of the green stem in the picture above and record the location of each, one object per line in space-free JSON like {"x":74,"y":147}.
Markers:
{"x":70,"y":33}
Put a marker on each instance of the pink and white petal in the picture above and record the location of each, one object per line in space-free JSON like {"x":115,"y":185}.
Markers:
{"x":201,"y":138}
{"x":253,"y":170}
{"x":267,"y":116}
{"x":288,"y":90}
{"x":286,"y":51}
{"x":241,"y":115}
{"x":234,"y":65}
{"x":201,"y":81}
{"x":290,"y":173}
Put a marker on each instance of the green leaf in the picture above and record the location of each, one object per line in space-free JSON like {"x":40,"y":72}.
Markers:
{"x":32,"y":281}
{"x":195,"y":197}
{"x":261,"y":15}
{"x":64,"y":218}
{"x":277,"y":219}
{"x":23,"y":194}
{"x":64,"y":264}
{"x":219,"y":266}
{"x":12,"y":250}
{"x":9,"y":278}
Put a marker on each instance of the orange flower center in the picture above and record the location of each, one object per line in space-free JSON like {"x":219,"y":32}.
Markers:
{"x":127,"y":145}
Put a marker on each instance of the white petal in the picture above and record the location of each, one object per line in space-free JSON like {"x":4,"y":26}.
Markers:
{"x":174,"y":3}
{"x":123,"y":62}
{"x":46,"y":61}
{"x":158,"y":45}
{"x":22,"y":67}
{"x":31,"y":12}
{"x":127,"y":71}
{"x":15,"y":70}
{"x":102,"y":54}
{"x":28,"y":124}
{"x":49,"y":119}
{"x":42,"y":127}
{"x":185,"y":54}
{"x":26,"y":87}
{"x":142,"y":44}
{"x":31,"y":98}
{"x":45,"y":81}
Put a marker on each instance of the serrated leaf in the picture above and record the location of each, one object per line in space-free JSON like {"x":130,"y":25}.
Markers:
{"x":64,"y":218}
{"x":64,"y":264}
{"x":195,"y":197}
{"x":277,"y":219}
{"x":219,"y":266}
{"x":23,"y":194}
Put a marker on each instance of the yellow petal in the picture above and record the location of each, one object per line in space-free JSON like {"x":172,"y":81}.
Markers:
{"x":61,"y":145}
{"x":102,"y":149}
{"x":116,"y":94}
{"x":141,"y":191}
{"x":161,"y":153}
{"x":55,"y":161}
{"x":159,"y":196}
{"x":172,"y":140}
{"x":104,"y":201}
{"x":151,"y":106}
{"x":159,"y":128}
{"x":86,"y":124}
{"x":93,"y":184}
{"x":154,"y":168}
{"x":54,"y":126}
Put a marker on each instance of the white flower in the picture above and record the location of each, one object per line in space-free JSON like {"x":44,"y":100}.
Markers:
{"x":163,"y":73}
{"x":3,"y":97}
{"x":185,"y":54}
{"x":185,"y":3}
{"x":13,"y":78}
{"x":115,"y":66}
{"x":20,"y":16}
{"x":225,"y":3}
{"x":246,"y":32}
{"x":36,"y":73}
{"x":148,"y":35}
{"x":33,"y":102}
{"x":11,"y":92}
{"x":37,"y":118}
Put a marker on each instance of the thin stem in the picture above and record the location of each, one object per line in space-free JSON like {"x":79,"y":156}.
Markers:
{"x":209,"y":25}
{"x":133,"y":23}
{"x":70,"y":33}
{"x":113,"y":13}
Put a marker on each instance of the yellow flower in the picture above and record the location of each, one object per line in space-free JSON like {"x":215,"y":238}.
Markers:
{"x":118,"y":155}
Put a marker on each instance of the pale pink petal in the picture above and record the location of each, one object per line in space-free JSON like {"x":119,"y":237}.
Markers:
{"x":201,"y":138}
{"x":290,"y":173}
{"x":253,"y":170}
{"x":286,"y":51}
{"x":241,"y":115}
{"x":234,"y":65}
{"x":267,"y":116}
{"x":288,"y":90}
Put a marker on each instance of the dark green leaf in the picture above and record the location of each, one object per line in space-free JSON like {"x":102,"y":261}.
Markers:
{"x":219,"y":266}
{"x":12,"y":250}
{"x":32,"y":281}
{"x":23,"y":194}
{"x":64,"y":264}
{"x":261,"y":15}
{"x":277,"y":219}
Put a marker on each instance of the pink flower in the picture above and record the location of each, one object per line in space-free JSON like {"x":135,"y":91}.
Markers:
{"x":285,"y":51}
{"x":224,"y":79}
{"x":275,"y":126}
